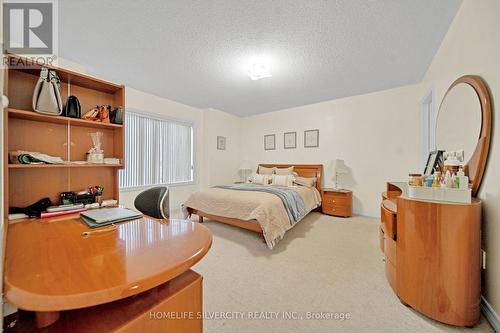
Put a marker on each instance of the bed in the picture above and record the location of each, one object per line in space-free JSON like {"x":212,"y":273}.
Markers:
{"x":263,"y":210}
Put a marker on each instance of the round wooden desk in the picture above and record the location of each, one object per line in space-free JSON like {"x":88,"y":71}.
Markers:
{"x":50,"y":266}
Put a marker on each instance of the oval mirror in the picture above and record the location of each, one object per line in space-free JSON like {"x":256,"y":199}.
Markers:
{"x":464,"y":123}
{"x":458,"y":124}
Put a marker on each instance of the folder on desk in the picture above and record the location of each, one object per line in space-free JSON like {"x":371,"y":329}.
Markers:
{"x":104,"y":216}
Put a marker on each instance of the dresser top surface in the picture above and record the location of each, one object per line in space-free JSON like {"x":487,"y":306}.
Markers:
{"x":404,"y":195}
{"x":336,"y":190}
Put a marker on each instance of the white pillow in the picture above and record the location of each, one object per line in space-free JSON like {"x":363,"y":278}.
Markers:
{"x":284,"y":171}
{"x":260,"y":179}
{"x":266,"y":171}
{"x":308,"y":182}
{"x":282,"y":180}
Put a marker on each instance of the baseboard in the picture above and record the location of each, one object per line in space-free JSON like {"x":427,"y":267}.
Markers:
{"x":490,"y":314}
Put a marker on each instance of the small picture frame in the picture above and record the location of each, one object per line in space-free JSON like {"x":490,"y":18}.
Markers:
{"x":434,"y":161}
{"x":270,"y":142}
{"x":290,"y":140}
{"x":311,"y":138}
{"x":221,"y":143}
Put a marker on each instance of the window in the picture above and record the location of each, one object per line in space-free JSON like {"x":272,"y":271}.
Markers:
{"x":157,"y":151}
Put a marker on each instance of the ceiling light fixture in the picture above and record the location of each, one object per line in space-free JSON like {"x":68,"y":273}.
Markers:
{"x":258,"y":71}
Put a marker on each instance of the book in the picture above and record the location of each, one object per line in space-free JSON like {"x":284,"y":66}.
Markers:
{"x":65,"y":212}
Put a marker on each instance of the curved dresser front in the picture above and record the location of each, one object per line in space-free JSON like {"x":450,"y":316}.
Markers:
{"x":432,"y":255}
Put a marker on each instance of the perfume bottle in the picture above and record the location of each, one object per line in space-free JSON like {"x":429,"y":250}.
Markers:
{"x":448,"y":179}
{"x":463,"y":180}
{"x":437,"y":179}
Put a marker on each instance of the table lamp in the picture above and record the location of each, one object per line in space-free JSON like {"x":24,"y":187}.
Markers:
{"x":339,"y":168}
{"x":245,"y":167}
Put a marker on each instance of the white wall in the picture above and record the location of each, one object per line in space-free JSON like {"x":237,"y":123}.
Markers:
{"x":221,"y":166}
{"x":377,"y":135}
{"x":472,"y":46}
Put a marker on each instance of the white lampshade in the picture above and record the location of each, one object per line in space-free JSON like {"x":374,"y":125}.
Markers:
{"x":339,"y":167}
{"x":245,"y":165}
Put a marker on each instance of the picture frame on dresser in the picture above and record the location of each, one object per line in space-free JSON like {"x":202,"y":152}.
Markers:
{"x":434,"y":160}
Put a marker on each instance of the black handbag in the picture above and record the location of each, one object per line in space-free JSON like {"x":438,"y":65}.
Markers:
{"x":116,"y":116}
{"x":72,"y":107}
{"x":33,"y":210}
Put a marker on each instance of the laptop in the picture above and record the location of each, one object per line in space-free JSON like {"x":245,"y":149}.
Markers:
{"x":107,"y":215}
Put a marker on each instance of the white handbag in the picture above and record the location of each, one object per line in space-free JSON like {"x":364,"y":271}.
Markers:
{"x":47,"y":93}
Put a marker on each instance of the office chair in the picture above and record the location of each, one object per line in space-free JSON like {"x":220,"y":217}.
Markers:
{"x":154,"y":202}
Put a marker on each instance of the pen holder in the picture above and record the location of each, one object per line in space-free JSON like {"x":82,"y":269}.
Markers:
{"x":98,"y":199}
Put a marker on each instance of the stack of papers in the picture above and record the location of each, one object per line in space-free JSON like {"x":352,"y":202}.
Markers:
{"x":32,"y":157}
{"x":111,"y":160}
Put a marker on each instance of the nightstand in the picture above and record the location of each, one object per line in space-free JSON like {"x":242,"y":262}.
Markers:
{"x":336,"y":202}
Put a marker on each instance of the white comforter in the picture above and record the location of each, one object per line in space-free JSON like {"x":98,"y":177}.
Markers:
{"x":266,"y":208}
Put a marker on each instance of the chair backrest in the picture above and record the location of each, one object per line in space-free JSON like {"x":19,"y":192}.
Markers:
{"x":154,"y":202}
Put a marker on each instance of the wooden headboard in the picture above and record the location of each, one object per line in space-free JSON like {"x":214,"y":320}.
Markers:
{"x":303,"y":170}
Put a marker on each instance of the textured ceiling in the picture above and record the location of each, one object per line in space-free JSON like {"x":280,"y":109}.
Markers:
{"x":196,"y":52}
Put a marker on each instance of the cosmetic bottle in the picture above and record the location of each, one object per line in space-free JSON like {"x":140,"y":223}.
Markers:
{"x":463,"y":180}
{"x":429,"y":180}
{"x":448,"y":180}
{"x":437,"y":179}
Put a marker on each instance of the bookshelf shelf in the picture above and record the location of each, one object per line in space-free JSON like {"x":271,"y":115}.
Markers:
{"x":66,"y":165}
{"x":31,"y":115}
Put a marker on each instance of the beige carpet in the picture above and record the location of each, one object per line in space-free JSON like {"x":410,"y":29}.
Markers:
{"x":324,"y":264}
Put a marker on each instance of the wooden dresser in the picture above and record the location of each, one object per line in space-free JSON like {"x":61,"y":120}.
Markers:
{"x":336,"y":202}
{"x":432,"y":255}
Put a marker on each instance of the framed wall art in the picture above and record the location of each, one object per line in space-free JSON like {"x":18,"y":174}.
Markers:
{"x":270,"y":142}
{"x":290,"y":140}
{"x":221,"y":143}
{"x":311,"y":138}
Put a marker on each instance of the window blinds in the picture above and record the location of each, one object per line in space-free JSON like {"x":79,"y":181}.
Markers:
{"x":157,"y":151}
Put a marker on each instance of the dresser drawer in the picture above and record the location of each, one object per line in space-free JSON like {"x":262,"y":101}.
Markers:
{"x":390,"y":273}
{"x":390,"y":250}
{"x":336,"y":209}
{"x":335,"y":200}
{"x":390,"y":261}
{"x":381,"y":238}
{"x":388,"y":221}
